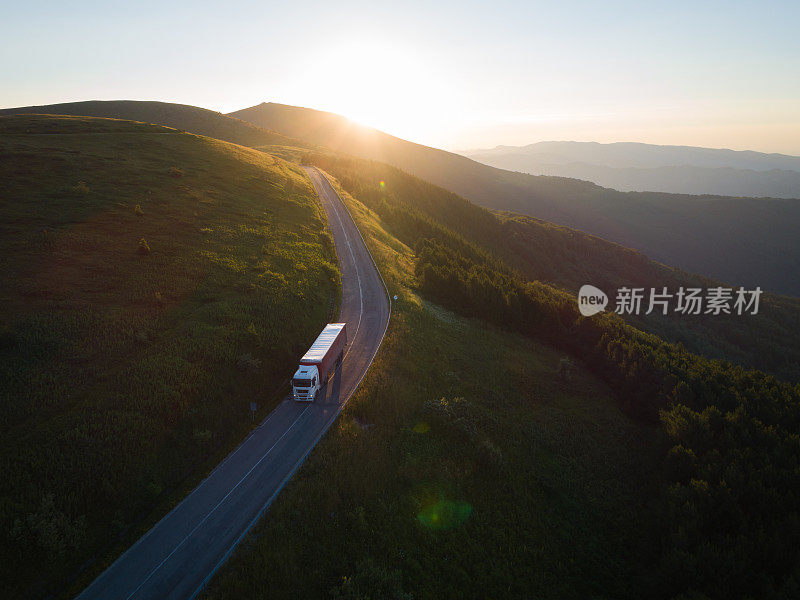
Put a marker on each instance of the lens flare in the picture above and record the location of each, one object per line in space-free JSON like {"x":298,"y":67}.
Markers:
{"x":444,"y":514}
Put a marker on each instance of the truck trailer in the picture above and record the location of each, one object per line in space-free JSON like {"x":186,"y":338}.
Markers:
{"x":322,"y":359}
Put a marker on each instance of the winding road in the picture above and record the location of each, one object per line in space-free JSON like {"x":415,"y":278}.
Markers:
{"x":180,"y":554}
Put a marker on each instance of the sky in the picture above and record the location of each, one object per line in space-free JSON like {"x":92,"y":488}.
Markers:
{"x":455,"y":75}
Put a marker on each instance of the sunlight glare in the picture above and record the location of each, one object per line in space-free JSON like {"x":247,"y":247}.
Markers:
{"x":382,"y":85}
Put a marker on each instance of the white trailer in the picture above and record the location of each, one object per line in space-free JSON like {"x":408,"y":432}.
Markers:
{"x":322,"y":359}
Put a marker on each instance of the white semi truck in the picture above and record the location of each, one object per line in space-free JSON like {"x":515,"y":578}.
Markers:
{"x":322,"y":359}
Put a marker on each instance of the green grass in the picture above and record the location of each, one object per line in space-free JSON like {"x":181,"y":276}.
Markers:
{"x":567,"y":259}
{"x":193,"y":119}
{"x":463,"y":467}
{"x":126,"y":374}
{"x":742,"y":241}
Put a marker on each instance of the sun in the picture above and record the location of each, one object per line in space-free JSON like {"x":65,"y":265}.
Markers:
{"x":381,"y":85}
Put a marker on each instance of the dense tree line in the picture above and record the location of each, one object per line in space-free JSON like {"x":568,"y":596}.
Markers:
{"x":731,"y":468}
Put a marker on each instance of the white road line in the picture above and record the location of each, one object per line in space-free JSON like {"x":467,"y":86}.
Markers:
{"x":196,"y":527}
{"x":352,"y":257}
{"x":341,"y":405}
{"x":327,"y":187}
{"x":358,"y":326}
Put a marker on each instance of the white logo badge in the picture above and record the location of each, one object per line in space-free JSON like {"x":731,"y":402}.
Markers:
{"x":591,"y":300}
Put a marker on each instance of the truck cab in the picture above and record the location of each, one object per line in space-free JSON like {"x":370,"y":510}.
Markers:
{"x":306,"y":383}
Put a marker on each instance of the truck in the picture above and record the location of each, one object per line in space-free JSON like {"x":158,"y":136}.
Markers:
{"x":322,"y":359}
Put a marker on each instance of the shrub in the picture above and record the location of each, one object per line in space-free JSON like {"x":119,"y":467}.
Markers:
{"x":247,"y":362}
{"x":202,"y":436}
{"x":81,"y":188}
{"x":175,"y":172}
{"x":144,"y":247}
{"x":565,"y":369}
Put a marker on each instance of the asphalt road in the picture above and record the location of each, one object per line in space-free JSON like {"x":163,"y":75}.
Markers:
{"x":178,"y":556}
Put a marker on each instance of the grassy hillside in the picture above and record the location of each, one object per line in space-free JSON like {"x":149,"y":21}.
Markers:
{"x":153,"y":284}
{"x":438,"y":481}
{"x":567,"y":259}
{"x":180,"y":116}
{"x":745,"y":241}
{"x":464,"y":467}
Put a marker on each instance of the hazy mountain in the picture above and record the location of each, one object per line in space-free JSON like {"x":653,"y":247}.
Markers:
{"x":180,"y":116}
{"x":645,"y":167}
{"x":739,"y":240}
{"x":632,"y":154}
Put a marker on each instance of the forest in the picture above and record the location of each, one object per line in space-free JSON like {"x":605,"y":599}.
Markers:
{"x":729,"y":492}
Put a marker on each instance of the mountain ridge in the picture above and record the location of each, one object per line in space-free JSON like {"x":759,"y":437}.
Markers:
{"x":635,"y":166}
{"x":185,"y":117}
{"x":718,"y":236}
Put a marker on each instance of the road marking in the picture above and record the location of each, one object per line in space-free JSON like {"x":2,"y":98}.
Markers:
{"x":358,"y":327}
{"x":340,"y":406}
{"x":328,"y":189}
{"x":352,"y":257}
{"x":196,"y":527}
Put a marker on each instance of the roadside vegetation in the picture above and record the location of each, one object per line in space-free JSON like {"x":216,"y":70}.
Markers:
{"x":727,"y":470}
{"x":150,"y":283}
{"x":708,"y":498}
{"x":566,"y":259}
{"x":469,"y":464}
{"x":749,"y":241}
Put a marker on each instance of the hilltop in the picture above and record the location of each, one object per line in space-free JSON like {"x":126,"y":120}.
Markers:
{"x":742,"y":241}
{"x":179,"y":116}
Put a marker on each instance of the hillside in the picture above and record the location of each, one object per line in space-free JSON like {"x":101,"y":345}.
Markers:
{"x":567,"y":259}
{"x":150,"y":282}
{"x":742,"y":241}
{"x":675,"y":479}
{"x":646,"y":167}
{"x":463,"y":466}
{"x":180,"y":116}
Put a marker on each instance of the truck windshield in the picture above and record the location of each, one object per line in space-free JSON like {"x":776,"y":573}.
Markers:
{"x":301,"y":382}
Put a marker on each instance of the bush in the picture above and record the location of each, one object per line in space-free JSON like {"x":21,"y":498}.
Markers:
{"x":81,"y":188}
{"x":175,"y":172}
{"x":729,"y":475}
{"x":371,"y":580}
{"x":247,"y":362}
{"x":202,"y":436}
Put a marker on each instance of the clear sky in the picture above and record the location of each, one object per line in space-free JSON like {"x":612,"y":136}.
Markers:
{"x":456,"y":75}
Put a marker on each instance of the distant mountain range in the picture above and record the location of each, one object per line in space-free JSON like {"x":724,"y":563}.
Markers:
{"x":628,"y":166}
{"x":743,"y":241}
